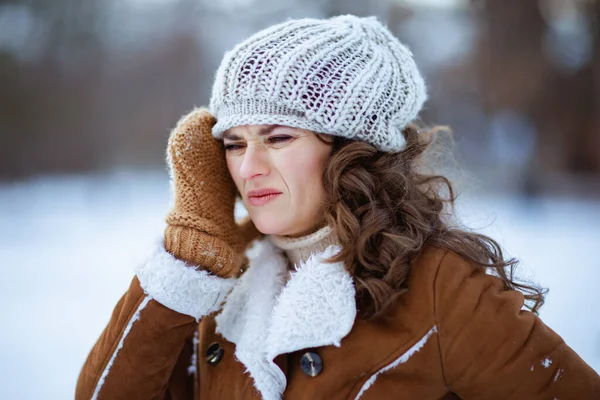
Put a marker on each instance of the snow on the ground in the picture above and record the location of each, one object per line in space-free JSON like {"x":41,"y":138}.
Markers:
{"x":68,"y":245}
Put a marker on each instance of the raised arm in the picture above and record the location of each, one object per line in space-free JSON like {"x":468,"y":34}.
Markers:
{"x":139,"y":353}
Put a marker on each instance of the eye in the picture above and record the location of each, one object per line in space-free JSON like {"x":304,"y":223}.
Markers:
{"x":278,"y":139}
{"x":231,"y":147}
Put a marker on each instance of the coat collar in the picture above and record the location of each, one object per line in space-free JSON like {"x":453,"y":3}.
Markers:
{"x":265,"y":317}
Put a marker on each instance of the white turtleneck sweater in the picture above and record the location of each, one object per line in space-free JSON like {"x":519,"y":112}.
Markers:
{"x":301,"y":248}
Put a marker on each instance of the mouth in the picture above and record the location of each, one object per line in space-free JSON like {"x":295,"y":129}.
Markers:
{"x":261,"y":197}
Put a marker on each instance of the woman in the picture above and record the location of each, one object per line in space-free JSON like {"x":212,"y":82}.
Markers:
{"x":348,"y":280}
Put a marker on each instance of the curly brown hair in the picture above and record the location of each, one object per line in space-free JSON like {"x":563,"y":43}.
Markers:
{"x":385,"y":211}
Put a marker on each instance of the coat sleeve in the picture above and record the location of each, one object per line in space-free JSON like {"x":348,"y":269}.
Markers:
{"x":150,"y":329}
{"x":493,"y":349}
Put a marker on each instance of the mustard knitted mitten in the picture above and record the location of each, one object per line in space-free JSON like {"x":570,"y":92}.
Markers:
{"x":201,"y":226}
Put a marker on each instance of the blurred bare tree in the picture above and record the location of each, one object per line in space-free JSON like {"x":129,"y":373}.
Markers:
{"x":89,"y":86}
{"x":76,"y":96}
{"x":541,"y":59}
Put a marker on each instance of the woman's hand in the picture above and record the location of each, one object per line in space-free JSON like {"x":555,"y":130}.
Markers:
{"x":201,"y":226}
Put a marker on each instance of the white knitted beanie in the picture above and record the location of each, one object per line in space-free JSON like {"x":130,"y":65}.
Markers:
{"x":345,"y":76}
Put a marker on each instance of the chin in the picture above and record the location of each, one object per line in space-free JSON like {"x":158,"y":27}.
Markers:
{"x":271,"y":226}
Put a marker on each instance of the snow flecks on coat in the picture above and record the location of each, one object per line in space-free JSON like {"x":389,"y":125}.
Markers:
{"x":400,"y":360}
{"x":557,"y":375}
{"x":193,"y":368}
{"x":136,"y":316}
{"x":546,"y":362}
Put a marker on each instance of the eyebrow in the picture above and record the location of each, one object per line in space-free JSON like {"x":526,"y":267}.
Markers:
{"x":264,"y":131}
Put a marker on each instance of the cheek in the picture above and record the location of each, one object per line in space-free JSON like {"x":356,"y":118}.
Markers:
{"x":234,"y":168}
{"x":302,"y":171}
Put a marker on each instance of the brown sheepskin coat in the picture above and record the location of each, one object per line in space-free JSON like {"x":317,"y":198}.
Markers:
{"x":179,"y":333}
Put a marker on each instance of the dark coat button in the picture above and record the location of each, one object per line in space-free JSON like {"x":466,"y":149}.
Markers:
{"x":311,"y":364}
{"x":214,"y":353}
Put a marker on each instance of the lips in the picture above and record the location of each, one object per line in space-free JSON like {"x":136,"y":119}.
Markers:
{"x":262,"y":192}
{"x":259,"y":197}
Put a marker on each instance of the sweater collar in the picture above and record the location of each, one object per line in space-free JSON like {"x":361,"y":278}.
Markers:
{"x":298,"y":250}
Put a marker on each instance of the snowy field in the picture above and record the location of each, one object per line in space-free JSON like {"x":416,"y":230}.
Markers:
{"x":68,"y":245}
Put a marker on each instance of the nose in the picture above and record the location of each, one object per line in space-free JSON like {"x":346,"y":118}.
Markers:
{"x":254,"y":163}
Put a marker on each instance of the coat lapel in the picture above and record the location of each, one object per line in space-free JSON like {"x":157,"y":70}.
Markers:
{"x":316,"y":308}
{"x":265,"y":317}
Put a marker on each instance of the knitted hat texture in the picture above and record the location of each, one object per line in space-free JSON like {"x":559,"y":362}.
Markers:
{"x":345,"y":76}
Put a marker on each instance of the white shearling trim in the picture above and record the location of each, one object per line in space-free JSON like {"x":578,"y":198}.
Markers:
{"x":182,"y":288}
{"x":268,"y":378}
{"x":193,"y":367}
{"x":315,"y":308}
{"x":246,"y":316}
{"x":134,"y":318}
{"x":400,"y":360}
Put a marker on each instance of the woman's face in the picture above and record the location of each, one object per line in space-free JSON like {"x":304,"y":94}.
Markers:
{"x":278,"y":171}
